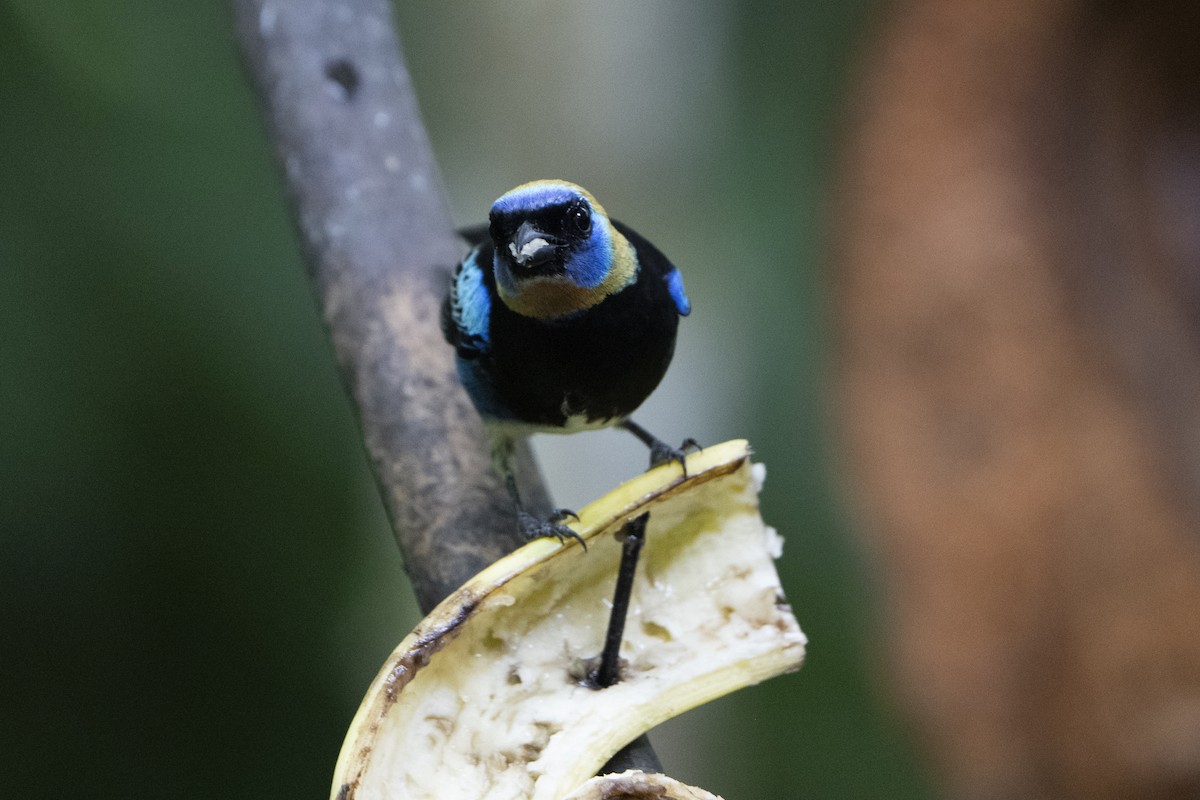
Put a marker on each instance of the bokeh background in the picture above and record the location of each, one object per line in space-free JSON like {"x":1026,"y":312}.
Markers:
{"x":197,"y":582}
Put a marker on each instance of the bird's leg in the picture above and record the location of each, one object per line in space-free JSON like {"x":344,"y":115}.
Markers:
{"x":531,"y":527}
{"x":660,"y":451}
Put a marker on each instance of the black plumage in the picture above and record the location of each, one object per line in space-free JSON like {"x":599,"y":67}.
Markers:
{"x":600,"y":363}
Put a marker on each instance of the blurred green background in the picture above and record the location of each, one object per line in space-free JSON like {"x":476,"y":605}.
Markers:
{"x":197,"y":578}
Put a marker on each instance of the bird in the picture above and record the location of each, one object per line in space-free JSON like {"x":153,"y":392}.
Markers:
{"x":562,"y":320}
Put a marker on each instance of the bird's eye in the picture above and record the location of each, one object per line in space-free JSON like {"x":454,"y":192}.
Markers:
{"x":579,"y":221}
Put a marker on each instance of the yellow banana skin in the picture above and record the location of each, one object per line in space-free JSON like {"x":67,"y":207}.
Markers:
{"x":485,"y":699}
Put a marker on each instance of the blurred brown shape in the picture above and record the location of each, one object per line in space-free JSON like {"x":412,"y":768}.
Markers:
{"x":1018,"y":312}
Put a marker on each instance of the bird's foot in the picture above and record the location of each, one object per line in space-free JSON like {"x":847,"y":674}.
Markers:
{"x":561,"y":514}
{"x":663,"y":453}
{"x":552,"y":527}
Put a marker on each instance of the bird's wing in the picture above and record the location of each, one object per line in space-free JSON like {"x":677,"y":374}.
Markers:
{"x":467,"y":309}
{"x":675,"y":287}
{"x":658,"y":266}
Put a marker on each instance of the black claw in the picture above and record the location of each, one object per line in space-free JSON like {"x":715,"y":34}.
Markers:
{"x":660,"y":451}
{"x":562,"y":513}
{"x":663,"y":453}
{"x":533,"y":528}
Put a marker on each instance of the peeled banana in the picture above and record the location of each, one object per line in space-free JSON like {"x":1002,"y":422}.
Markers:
{"x":637,"y":785}
{"x":487,"y":699}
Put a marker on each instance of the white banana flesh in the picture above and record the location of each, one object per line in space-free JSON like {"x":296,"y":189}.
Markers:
{"x":486,"y":698}
{"x":636,"y":785}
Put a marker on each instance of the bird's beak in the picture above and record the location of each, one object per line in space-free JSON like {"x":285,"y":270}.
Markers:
{"x":530,"y":247}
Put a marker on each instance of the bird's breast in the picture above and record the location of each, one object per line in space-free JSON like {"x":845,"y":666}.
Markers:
{"x":586,"y":371}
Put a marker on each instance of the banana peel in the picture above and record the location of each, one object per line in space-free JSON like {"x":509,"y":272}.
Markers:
{"x":487,"y":698}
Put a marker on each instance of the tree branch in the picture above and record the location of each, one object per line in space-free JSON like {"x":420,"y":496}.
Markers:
{"x":379,"y":241}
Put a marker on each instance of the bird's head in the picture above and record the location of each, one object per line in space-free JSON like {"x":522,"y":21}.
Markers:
{"x":556,"y":251}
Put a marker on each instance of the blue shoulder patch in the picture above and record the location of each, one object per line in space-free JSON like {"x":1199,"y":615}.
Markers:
{"x":470,"y":304}
{"x":675,"y":287}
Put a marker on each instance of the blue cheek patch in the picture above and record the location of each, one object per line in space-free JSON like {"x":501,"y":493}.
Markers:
{"x":590,"y":264}
{"x":473,"y":306}
{"x":675,"y":287}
